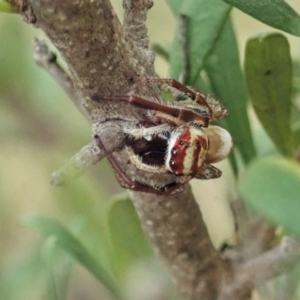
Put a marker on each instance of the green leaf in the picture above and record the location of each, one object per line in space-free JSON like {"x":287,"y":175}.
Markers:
{"x":74,"y":248}
{"x":268,"y":68}
{"x":272,"y":187}
{"x":227,"y":80}
{"x":58,"y":266}
{"x":205,"y":20}
{"x":6,"y":7}
{"x":276,"y":13}
{"x":48,"y":250}
{"x":128,"y":240}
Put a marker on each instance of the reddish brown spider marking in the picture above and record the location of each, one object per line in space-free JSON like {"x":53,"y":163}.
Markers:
{"x":186,"y":150}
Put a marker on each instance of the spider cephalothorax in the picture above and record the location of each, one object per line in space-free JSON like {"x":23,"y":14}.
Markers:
{"x":176,"y":138}
{"x":186,"y":150}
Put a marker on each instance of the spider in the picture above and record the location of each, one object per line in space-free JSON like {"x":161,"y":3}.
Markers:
{"x":176,"y":138}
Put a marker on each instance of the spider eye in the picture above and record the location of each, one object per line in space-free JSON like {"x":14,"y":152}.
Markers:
{"x":173,"y":165}
{"x":186,"y":150}
{"x":174,"y":152}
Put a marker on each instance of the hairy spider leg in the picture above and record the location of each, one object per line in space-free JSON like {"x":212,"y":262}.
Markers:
{"x":138,"y":133}
{"x":177,"y":115}
{"x":194,"y":95}
{"x":207,"y":171}
{"x":127,"y":183}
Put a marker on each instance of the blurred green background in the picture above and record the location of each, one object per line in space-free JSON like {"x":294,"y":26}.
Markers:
{"x":39,"y":130}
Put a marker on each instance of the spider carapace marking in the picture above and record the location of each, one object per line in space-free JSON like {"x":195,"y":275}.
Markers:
{"x":186,"y":150}
{"x":176,"y":138}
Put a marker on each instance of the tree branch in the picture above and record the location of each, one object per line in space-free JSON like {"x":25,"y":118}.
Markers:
{"x":257,"y":270}
{"x":175,"y":226}
{"x":47,"y":60}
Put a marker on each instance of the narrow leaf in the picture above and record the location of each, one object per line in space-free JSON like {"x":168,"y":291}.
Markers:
{"x":205,"y":20}
{"x":268,"y":68}
{"x":272,"y":187}
{"x":6,"y":7}
{"x":73,"y":247}
{"x":48,"y":250}
{"x":59,"y":266}
{"x":275,"y":13}
{"x":128,"y":240}
{"x":224,"y":71}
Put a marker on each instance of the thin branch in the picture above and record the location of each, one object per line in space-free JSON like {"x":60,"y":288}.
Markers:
{"x":264,"y":267}
{"x":135,"y":29}
{"x":258,"y":237}
{"x":176,"y":228}
{"x":90,"y":154}
{"x":240,"y":217}
{"x":135,"y":13}
{"x":272,"y":262}
{"x":47,"y":60}
{"x":77,"y":165}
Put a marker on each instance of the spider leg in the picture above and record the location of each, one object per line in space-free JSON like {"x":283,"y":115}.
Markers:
{"x":137,"y":133}
{"x":121,"y":176}
{"x":127,"y":183}
{"x":207,"y":171}
{"x":176,"y":115}
{"x":194,"y":95}
{"x":214,"y":108}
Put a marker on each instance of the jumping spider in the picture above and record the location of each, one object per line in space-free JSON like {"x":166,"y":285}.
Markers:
{"x":176,"y":138}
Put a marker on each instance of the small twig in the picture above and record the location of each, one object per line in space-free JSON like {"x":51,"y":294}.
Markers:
{"x":272,"y":262}
{"x":47,"y":60}
{"x":135,"y":13}
{"x":77,"y":164}
{"x":90,"y":154}
{"x":254,"y":236}
{"x":183,"y":27}
{"x":241,"y":218}
{"x":261,"y":238}
{"x":265,"y":266}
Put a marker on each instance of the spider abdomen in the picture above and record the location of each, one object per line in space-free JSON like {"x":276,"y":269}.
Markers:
{"x":186,"y":151}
